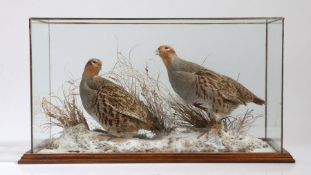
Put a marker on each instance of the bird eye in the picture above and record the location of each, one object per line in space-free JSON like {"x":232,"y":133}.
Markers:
{"x":166,"y":48}
{"x":93,"y":62}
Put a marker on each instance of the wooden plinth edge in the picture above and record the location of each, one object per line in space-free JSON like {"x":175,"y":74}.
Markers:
{"x":75,"y":158}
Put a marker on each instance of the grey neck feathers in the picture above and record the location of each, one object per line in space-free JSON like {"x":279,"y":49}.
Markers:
{"x":178,"y":64}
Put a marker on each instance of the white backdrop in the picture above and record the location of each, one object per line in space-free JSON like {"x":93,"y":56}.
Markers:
{"x":14,"y":49}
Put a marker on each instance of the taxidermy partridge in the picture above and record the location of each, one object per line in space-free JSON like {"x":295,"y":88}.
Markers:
{"x":218,"y":94}
{"x":116,"y":110}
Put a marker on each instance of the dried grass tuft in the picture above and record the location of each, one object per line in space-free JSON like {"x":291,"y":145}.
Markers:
{"x":188,"y":115}
{"x":64,"y":112}
{"x":193,"y":117}
{"x":141,"y":85}
{"x":240,"y":124}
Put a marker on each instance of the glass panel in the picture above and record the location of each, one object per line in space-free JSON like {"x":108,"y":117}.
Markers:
{"x":274,"y":85}
{"x":40,"y":81}
{"x":235,"y":48}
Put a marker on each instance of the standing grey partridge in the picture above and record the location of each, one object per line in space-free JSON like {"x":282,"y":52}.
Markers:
{"x":117,"y":111}
{"x":204,"y":88}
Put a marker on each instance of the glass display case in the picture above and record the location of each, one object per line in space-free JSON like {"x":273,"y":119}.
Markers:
{"x":156,"y":90}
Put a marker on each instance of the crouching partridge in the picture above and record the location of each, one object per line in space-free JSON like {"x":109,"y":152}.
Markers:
{"x":204,"y":88}
{"x":118,"y":112}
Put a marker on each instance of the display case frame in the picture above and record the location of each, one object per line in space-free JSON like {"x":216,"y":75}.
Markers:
{"x":282,"y":156}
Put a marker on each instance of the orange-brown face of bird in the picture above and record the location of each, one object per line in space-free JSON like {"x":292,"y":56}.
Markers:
{"x":167,"y":53}
{"x":92,"y":67}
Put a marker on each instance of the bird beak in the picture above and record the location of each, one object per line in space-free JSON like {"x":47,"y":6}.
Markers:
{"x":156,"y":52}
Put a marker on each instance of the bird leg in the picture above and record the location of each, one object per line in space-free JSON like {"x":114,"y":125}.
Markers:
{"x":213,"y":131}
{"x":216,"y":126}
{"x":211,"y":125}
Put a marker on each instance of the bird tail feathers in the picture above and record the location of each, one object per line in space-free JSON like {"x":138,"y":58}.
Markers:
{"x":258,"y":101}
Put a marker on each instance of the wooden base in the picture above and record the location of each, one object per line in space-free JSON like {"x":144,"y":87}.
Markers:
{"x":29,"y":158}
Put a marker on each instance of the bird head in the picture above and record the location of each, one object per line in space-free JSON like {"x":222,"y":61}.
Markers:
{"x":92,"y":67}
{"x":167,"y":53}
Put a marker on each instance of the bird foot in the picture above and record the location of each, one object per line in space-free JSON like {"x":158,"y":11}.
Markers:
{"x":215,"y":138}
{"x":213,"y":128}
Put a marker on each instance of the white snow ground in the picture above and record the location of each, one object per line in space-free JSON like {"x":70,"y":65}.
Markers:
{"x":80,"y":140}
